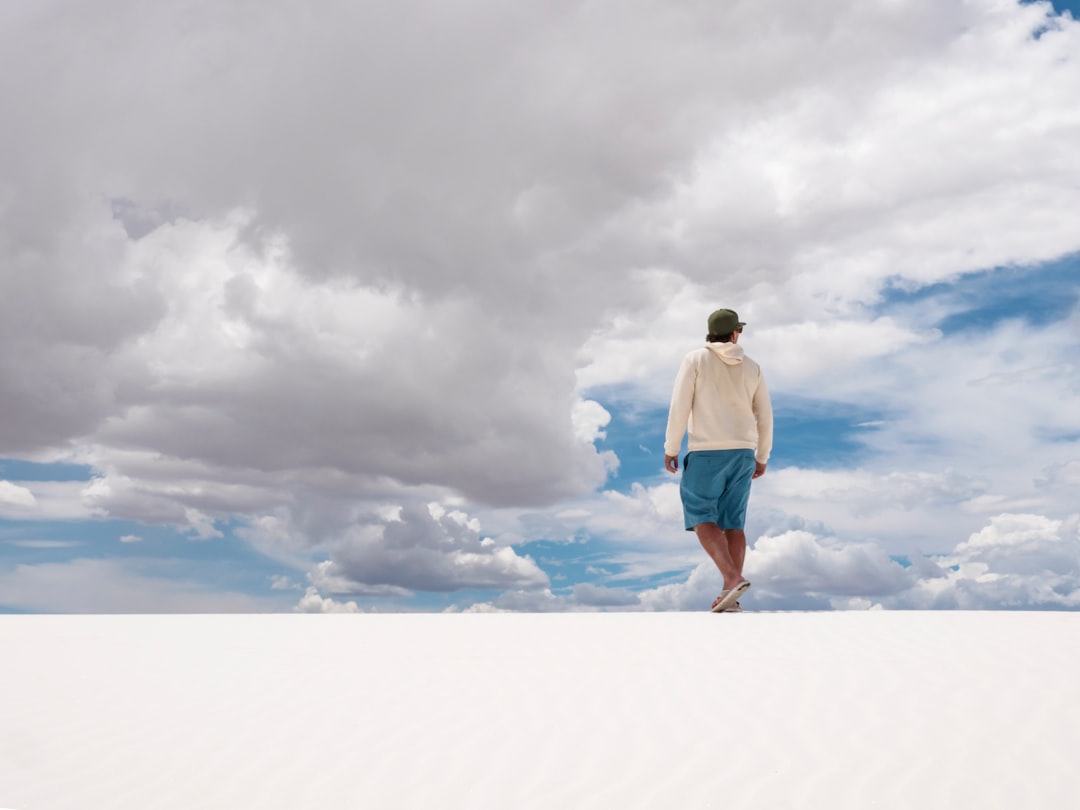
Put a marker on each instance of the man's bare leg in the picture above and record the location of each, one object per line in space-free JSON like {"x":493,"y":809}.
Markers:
{"x":716,"y":544}
{"x":736,"y":543}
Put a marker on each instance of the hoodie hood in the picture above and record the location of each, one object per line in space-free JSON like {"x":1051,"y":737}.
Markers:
{"x":730,"y":353}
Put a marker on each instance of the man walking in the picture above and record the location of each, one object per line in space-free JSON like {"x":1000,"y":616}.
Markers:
{"x":720,"y":395}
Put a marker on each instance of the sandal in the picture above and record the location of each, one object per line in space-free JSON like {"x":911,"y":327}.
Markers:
{"x":728,"y":598}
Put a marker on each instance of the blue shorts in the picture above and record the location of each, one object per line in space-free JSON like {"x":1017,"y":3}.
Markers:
{"x":715,"y":487}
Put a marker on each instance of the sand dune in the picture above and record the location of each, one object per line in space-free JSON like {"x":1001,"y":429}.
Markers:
{"x":787,"y":710}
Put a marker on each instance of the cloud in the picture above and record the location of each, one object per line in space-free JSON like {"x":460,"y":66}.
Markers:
{"x":311,"y":602}
{"x":518,"y":601}
{"x":802,"y":560}
{"x":796,"y":570}
{"x":430,"y":549}
{"x":281,"y":582}
{"x":698,"y":590}
{"x":868,"y":492}
{"x":1017,"y":561}
{"x":1064,"y":474}
{"x":15,"y":495}
{"x":201,"y":525}
{"x":48,"y":500}
{"x":644,"y":507}
{"x":840,"y":343}
{"x":589,"y":418}
{"x":365,"y":383}
{"x":44,"y":543}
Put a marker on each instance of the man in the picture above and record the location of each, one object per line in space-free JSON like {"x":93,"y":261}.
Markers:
{"x":720,"y":395}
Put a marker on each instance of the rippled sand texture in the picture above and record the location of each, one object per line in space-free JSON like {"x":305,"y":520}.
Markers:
{"x":762,"y":711}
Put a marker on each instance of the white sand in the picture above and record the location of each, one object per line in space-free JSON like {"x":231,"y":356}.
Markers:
{"x":762,"y":711}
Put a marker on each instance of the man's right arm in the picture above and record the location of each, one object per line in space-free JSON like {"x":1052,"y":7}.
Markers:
{"x":682,"y":400}
{"x":762,"y":408}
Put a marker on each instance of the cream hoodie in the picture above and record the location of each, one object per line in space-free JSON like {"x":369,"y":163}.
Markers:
{"x":720,"y":395}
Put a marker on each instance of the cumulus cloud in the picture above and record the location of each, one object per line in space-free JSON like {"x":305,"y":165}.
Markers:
{"x":312,"y":602}
{"x":365,"y":383}
{"x":589,"y":418}
{"x":1017,"y":561}
{"x":431,"y":549}
{"x":696,"y":591}
{"x":800,"y":560}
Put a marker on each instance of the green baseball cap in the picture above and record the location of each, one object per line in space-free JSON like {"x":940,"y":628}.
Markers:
{"x":724,"y":322}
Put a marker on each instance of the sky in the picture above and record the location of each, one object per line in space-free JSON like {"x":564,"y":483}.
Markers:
{"x":379,"y":308}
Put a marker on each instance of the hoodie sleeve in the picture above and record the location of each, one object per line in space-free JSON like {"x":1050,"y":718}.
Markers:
{"x":763,"y":413}
{"x":682,"y":399}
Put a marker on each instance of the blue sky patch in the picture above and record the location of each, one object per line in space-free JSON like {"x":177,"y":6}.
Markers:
{"x":226,"y":563}
{"x":637,"y":438}
{"x":979,"y":301}
{"x":1060,"y":6}
{"x":15,"y":470}
{"x":819,"y":433}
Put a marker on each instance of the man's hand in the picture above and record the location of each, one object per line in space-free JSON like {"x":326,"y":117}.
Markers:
{"x":672,"y":463}
{"x":759,"y":470}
